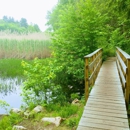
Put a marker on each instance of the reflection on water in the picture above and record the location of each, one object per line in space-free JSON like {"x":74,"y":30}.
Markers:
{"x":10,"y":92}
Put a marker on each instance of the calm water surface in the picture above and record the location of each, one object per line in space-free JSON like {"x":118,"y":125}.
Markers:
{"x":10,"y":92}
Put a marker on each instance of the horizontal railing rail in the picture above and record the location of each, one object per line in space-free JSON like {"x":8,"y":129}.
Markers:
{"x":93,"y":63}
{"x":123,"y":65}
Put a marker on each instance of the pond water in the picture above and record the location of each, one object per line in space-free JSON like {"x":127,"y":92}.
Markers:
{"x":10,"y":92}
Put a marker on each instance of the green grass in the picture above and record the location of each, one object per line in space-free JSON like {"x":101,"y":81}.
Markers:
{"x":70,"y":113}
{"x":7,"y":122}
{"x":11,"y":68}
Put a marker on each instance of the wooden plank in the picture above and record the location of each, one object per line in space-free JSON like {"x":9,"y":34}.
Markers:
{"x":86,"y":81}
{"x":121,"y":75}
{"x":106,"y":114}
{"x":102,"y":117}
{"x":105,"y":100}
{"x":123,"y":53}
{"x":116,"y":86}
{"x":105,"y":82}
{"x":98,"y":87}
{"x":112,"y":91}
{"x":105,"y":122}
{"x":105,"y":93}
{"x":110,"y":105}
{"x":109,"y":69}
{"x":114,"y":98}
{"x":108,"y":97}
{"x":108,"y":86}
{"x":93,"y":53}
{"x":124,"y":67}
{"x":94,"y":72}
{"x":106,"y":103}
{"x":108,"y":73}
{"x":88,"y":128}
{"x":108,"y":79}
{"x":108,"y":76}
{"x":108,"y":90}
{"x":95,"y":60}
{"x":105,"y":106}
{"x":104,"y":110}
{"x":102,"y":126}
{"x":127,"y":94}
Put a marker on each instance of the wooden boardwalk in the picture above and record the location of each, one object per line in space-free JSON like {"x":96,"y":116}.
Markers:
{"x":105,"y":108}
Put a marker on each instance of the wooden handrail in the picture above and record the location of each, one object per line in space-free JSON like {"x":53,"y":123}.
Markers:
{"x":123,"y":65}
{"x":93,"y":63}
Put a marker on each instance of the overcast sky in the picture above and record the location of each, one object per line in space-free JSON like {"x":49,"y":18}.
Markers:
{"x":33,"y":10}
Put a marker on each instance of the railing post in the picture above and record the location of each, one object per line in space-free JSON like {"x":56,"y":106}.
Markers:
{"x":100,"y":59}
{"x":127,"y":83}
{"x":92,"y":59}
{"x":86,"y":79}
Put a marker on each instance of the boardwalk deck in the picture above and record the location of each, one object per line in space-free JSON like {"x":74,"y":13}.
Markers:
{"x":105,"y":108}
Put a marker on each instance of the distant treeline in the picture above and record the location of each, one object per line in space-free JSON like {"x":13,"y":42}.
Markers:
{"x":9,"y":23}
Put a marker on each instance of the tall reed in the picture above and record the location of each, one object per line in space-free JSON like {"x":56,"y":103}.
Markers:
{"x":24,"y":46}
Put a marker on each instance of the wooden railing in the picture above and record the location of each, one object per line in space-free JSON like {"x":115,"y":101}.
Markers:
{"x":123,"y":65}
{"x":93,"y":63}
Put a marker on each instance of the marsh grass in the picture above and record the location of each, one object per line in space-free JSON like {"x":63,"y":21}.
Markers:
{"x":24,"y":49}
{"x":27,"y":36}
{"x":11,"y":68}
{"x":26,"y":46}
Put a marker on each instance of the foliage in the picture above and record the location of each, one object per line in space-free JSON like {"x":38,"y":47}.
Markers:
{"x":53,"y":16}
{"x":79,"y":27}
{"x":74,"y":96}
{"x":8,"y":23}
{"x":39,"y":84}
{"x":15,"y":118}
{"x":72,"y":122}
{"x":118,"y":12}
{"x":23,"y":22}
{"x":80,"y":32}
{"x":71,"y":114}
{"x":64,"y":111}
{"x":4,"y":104}
{"x":7,"y":122}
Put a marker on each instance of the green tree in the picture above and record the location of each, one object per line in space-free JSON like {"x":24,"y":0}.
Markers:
{"x":40,"y":81}
{"x":80,"y":32}
{"x":53,"y":16}
{"x":36,"y":28}
{"x":8,"y":23}
{"x":5,"y":18}
{"x":23,"y":23}
{"x":121,"y":11}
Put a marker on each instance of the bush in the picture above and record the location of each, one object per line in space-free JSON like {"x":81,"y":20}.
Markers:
{"x":7,"y":122}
